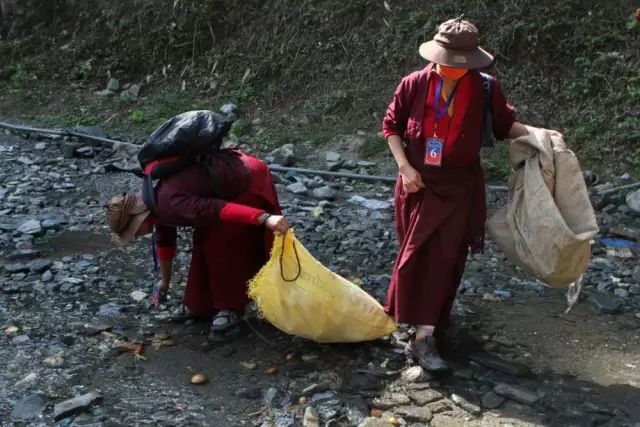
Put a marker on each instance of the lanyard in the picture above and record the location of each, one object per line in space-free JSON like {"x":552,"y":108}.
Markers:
{"x":440,"y":113}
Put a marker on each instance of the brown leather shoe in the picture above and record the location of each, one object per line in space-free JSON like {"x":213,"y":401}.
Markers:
{"x":426,"y":354}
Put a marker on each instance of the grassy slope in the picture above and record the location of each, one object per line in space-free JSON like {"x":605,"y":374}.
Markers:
{"x":314,"y":68}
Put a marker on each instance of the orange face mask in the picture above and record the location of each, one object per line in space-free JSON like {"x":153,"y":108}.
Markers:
{"x":450,"y":72}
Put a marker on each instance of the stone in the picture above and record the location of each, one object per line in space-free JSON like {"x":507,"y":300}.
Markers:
{"x":271,"y":396}
{"x":283,"y":418}
{"x":138,"y":295}
{"x":131,"y":94}
{"x":423,"y":397}
{"x":310,"y":418}
{"x":316,"y":388}
{"x":51,"y":223}
{"x":86,"y":152}
{"x":439,"y":406}
{"x":464,"y":373}
{"x":28,"y":408}
{"x":104,"y":92}
{"x":53,"y":361}
{"x":27,"y":381}
{"x":414,"y":413}
{"x":606,"y":304}
{"x":297,"y":188}
{"x":24,"y":254}
{"x":633,"y":200}
{"x":400,"y":399}
{"x":228,"y":108}
{"x":109,"y":309}
{"x":375,"y":422}
{"x":621,"y":293}
{"x":113,"y":85}
{"x":328,"y":409}
{"x":324,"y":193}
{"x":325,"y":395}
{"x":47,"y":276}
{"x":284,"y":155}
{"x":77,"y":404}
{"x":356,"y":411}
{"x":16,"y":268}
{"x":636,"y":274}
{"x":415,"y":374}
{"x":466,"y":404}
{"x":40,"y":265}
{"x":491,"y":400}
{"x":332,"y":157}
{"x":30,"y":227}
{"x":383,"y":403}
{"x":516,"y":393}
{"x":20,"y":339}
{"x":40,"y":146}
{"x":494,"y":362}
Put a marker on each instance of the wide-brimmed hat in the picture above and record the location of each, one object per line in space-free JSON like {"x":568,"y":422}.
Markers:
{"x":456,"y":45}
{"x":125,"y":214}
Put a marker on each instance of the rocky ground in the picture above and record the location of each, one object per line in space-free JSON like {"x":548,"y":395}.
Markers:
{"x":82,"y":347}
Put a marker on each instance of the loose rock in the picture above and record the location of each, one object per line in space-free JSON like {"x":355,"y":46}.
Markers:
{"x":491,"y":400}
{"x":77,"y":404}
{"x":516,"y":393}
{"x":28,"y":408}
{"x":415,"y":374}
{"x":30,"y":227}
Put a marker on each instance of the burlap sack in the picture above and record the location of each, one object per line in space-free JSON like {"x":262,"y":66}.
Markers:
{"x":548,"y":223}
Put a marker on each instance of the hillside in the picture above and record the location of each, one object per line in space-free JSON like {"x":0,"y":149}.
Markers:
{"x":311,"y":69}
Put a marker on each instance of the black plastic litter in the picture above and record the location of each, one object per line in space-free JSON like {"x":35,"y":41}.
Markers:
{"x":186,"y":135}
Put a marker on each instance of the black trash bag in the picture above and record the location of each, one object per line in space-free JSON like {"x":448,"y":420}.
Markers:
{"x":185,"y":136}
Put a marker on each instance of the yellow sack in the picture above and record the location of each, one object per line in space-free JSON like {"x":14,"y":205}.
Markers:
{"x":301,"y":297}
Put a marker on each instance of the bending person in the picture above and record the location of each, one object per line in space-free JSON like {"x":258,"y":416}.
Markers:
{"x":235,"y":213}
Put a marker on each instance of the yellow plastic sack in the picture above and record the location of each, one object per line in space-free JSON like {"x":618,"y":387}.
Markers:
{"x":301,"y":297}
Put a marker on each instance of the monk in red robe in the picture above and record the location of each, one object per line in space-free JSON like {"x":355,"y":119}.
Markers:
{"x":234,"y":215}
{"x":433,"y":127}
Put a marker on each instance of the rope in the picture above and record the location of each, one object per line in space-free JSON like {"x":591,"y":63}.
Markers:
{"x":295,"y":250}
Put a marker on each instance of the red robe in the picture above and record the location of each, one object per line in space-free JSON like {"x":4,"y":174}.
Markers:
{"x":437,"y":225}
{"x":229,"y":247}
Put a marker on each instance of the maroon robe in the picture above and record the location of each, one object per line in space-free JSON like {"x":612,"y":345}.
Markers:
{"x":229,"y":247}
{"x":437,"y":225}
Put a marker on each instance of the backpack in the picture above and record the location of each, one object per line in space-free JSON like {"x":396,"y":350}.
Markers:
{"x":486,"y":137}
{"x":186,"y":139}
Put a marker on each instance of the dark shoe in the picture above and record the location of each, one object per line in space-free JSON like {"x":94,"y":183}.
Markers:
{"x":426,"y":354}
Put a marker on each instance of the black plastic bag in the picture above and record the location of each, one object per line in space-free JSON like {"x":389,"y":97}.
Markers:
{"x":185,"y":136}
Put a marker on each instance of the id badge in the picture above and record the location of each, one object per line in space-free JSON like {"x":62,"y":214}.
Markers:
{"x":433,"y":152}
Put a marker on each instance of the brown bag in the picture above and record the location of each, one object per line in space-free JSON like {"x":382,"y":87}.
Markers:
{"x":547,"y":226}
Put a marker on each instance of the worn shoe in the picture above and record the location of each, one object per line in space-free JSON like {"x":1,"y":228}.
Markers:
{"x":224,"y":320}
{"x":426,"y":354}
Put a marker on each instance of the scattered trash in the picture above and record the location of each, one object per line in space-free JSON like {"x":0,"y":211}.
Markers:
{"x":573,"y":293}
{"x":11,"y":330}
{"x":249,"y":365}
{"x":198,"y":379}
{"x":619,"y":243}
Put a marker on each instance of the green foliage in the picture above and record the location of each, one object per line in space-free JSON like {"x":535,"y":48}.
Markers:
{"x":240,"y":128}
{"x":82,"y":71}
{"x":138,"y":116}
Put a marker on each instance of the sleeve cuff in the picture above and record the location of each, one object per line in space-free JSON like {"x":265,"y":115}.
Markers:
{"x":166,"y":253}
{"x":240,"y":214}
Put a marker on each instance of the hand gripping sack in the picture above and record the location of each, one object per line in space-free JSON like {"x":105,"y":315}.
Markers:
{"x":547,"y":226}
{"x":301,"y":297}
